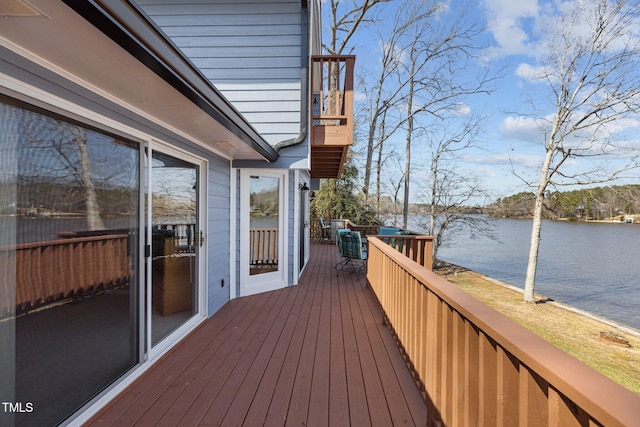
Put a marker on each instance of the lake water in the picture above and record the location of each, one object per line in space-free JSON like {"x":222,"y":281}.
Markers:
{"x":591,"y":266}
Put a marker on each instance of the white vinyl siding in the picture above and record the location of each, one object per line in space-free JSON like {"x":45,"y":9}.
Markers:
{"x":250,"y":50}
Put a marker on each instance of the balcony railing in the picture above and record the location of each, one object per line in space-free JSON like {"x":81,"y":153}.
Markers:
{"x":46,"y":272}
{"x":417,"y":247}
{"x":478,"y":367}
{"x":331,"y":113}
{"x":263,"y":247}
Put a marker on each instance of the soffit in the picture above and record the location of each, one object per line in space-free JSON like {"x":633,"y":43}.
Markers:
{"x":69,"y":45}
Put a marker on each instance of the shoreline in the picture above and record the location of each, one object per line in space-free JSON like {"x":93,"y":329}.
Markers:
{"x":636,"y":219}
{"x":609,"y":347}
{"x":450,"y":268}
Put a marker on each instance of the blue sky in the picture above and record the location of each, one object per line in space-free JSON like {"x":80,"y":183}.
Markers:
{"x":516,"y":33}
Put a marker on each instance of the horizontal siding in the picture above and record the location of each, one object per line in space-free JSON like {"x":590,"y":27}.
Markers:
{"x":199,"y":40}
{"x":206,"y":30}
{"x":274,"y":56}
{"x":219,"y":8}
{"x":249,"y":49}
{"x":219,"y":203}
{"x":250,"y":75}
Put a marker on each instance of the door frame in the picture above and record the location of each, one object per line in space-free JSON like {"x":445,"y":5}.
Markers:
{"x":200,"y":314}
{"x":301,"y":228}
{"x":250,"y":285}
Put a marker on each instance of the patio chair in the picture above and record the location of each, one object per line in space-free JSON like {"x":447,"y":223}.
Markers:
{"x":388,"y":231}
{"x":324,"y":229}
{"x":354,"y":254}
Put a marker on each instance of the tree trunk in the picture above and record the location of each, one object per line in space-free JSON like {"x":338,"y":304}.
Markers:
{"x":378,"y":179}
{"x":379,"y":167}
{"x":94,"y":221}
{"x":434,"y":192}
{"x":534,"y":247}
{"x":405,"y":211}
{"x":369,"y":161}
{"x":407,"y":171}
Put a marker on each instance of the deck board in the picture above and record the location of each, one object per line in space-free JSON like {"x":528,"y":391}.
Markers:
{"x":316,"y":354}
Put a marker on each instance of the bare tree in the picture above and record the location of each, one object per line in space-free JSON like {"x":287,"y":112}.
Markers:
{"x":345,"y":20}
{"x":437,"y":73}
{"x":384,"y":95}
{"x":450,"y":191}
{"x":66,"y":144}
{"x":591,"y":74}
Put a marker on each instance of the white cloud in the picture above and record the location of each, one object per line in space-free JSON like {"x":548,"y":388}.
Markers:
{"x":462,"y":109}
{"x":506,"y":20}
{"x":524,"y":129}
{"x":532,"y":73}
{"x":502,"y":159}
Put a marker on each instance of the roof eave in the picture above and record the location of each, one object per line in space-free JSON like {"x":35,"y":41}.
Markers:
{"x":133,"y":31}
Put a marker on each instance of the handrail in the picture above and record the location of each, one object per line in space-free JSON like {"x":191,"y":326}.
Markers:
{"x":479,"y":367}
{"x":417,"y":247}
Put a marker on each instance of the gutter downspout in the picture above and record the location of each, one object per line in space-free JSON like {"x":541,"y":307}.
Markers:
{"x":304,"y":74}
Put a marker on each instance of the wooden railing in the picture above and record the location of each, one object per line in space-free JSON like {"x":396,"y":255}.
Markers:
{"x":331,"y":113}
{"x":36,"y":274}
{"x":263,"y":246}
{"x":417,"y":247}
{"x":476,"y":366}
{"x":333,"y":103}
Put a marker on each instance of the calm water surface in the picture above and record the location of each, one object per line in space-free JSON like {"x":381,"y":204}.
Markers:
{"x":591,"y":266}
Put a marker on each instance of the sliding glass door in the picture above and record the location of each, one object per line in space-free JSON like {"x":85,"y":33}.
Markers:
{"x":175,"y":243}
{"x":81,"y":303}
{"x":69,"y":263}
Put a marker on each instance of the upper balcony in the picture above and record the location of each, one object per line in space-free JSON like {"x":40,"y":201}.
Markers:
{"x":331,"y":113}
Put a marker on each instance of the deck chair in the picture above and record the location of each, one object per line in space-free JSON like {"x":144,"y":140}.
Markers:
{"x":388,"y":231}
{"x":354,"y":255}
{"x":324,"y":229}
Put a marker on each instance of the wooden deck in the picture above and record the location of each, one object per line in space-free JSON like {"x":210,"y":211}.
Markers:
{"x":316,"y":354}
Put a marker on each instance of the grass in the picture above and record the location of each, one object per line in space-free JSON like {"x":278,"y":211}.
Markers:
{"x":575,"y":333}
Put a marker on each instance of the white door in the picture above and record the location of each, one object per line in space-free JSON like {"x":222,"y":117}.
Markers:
{"x":263,"y":212}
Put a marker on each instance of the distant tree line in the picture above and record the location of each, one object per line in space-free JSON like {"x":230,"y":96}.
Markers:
{"x":42,"y":196}
{"x":601,"y":203}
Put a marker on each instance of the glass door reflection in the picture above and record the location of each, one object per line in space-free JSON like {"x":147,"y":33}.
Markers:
{"x":264,"y":202}
{"x":174,"y":216}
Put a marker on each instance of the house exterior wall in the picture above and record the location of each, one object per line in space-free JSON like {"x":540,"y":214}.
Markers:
{"x":218,"y":238}
{"x":257,"y":54}
{"x":254,"y":52}
{"x":291,"y":219}
{"x":218,"y":170}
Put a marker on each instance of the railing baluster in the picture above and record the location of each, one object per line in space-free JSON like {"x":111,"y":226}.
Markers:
{"x":263,"y":246}
{"x":48,"y":271}
{"x":477,"y":366}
